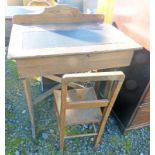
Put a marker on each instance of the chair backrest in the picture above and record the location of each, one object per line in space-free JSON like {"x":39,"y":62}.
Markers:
{"x":116,"y":77}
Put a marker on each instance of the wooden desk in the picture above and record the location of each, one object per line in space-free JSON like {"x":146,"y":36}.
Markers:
{"x":75,"y":42}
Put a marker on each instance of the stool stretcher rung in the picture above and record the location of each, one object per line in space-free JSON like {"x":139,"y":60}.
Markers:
{"x":46,"y":94}
{"x":58,"y":79}
{"x":81,"y":135}
{"x":87,"y":104}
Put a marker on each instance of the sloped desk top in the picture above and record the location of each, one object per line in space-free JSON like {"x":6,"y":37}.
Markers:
{"x":65,"y":39}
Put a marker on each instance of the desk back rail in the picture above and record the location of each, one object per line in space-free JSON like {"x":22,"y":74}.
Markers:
{"x":58,"y":14}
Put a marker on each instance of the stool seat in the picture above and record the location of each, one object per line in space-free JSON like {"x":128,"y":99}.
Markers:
{"x":79,"y":116}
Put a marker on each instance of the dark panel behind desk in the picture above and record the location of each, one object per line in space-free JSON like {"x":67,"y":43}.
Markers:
{"x":130,"y":96}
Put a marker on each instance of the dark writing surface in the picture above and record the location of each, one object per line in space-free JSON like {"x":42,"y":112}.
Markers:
{"x":68,"y":38}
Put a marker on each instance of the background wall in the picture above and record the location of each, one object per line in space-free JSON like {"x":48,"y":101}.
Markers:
{"x":132,"y":17}
{"x":14,"y":2}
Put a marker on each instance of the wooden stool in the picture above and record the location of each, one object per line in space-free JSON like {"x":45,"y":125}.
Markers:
{"x":79,"y":106}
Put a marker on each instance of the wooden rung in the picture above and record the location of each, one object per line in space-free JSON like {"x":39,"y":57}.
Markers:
{"x":58,"y":79}
{"x":87,"y":104}
{"x":81,"y":135}
{"x":46,"y":94}
{"x":53,"y":77}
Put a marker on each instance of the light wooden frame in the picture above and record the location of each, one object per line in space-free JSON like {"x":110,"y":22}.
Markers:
{"x":117,"y":77}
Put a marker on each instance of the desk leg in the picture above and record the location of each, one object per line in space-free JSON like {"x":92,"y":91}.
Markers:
{"x":27,"y":90}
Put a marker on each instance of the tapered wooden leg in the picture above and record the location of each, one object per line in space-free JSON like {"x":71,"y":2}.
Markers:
{"x":106,"y":112}
{"x":62,"y":127}
{"x":62,"y":115}
{"x":61,"y":137}
{"x":27,"y":90}
{"x":62,"y":131}
{"x":101,"y":127}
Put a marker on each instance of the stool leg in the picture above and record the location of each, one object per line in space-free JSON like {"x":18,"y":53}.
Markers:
{"x":102,"y":126}
{"x":62,"y":128}
{"x":27,"y":90}
{"x":107,"y":110}
{"x":62,"y":115}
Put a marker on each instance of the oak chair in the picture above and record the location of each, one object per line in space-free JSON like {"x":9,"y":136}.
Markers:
{"x":81,"y":105}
